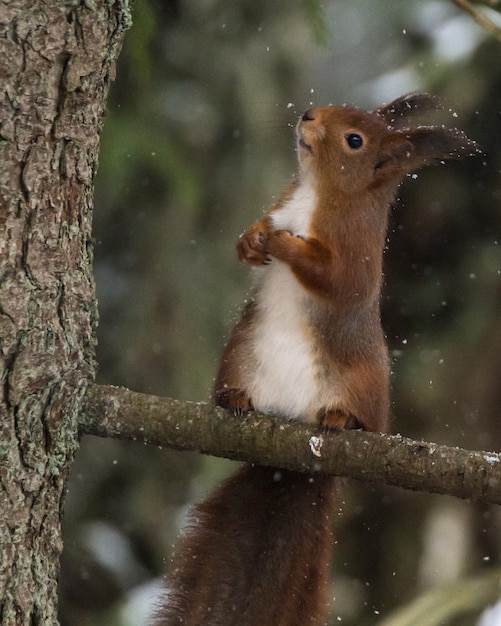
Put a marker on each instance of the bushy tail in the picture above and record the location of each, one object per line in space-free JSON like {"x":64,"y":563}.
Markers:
{"x":256,"y":553}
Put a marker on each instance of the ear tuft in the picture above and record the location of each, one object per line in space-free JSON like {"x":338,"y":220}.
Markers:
{"x":398,"y":113}
{"x":435,"y":144}
{"x":403,"y":152}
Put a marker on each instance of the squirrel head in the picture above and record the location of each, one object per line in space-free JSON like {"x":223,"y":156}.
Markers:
{"x":354,"y":151}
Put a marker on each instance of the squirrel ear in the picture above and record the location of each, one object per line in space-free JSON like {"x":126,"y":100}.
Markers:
{"x":396,"y":151}
{"x":398,"y":112}
{"x":403,"y":152}
{"x":436,"y":144}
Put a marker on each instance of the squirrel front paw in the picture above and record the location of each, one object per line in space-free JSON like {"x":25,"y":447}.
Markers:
{"x":252,"y":246}
{"x":282,"y":244}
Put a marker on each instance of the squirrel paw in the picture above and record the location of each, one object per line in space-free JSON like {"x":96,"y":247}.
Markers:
{"x":283,"y":245}
{"x":234,"y":399}
{"x":252,"y":247}
{"x":335,"y":419}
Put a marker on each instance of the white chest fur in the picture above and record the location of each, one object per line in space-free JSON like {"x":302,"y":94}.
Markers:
{"x":296,"y":214}
{"x":283,"y":343}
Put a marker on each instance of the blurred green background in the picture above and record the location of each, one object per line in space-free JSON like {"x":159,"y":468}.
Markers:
{"x":197,"y":142}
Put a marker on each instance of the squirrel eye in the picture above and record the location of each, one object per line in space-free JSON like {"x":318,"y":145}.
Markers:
{"x":354,"y":140}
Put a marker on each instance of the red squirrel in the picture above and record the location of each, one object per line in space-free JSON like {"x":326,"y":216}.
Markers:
{"x":309,"y":346}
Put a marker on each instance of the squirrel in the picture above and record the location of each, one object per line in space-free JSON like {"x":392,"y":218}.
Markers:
{"x":308,"y":345}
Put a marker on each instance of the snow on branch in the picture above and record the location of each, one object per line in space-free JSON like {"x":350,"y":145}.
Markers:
{"x":123,"y":414}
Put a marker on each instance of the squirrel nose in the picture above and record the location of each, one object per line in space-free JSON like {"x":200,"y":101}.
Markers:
{"x":308,"y":116}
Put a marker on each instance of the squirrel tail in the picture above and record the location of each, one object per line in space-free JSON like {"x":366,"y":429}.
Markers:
{"x":256,"y":553}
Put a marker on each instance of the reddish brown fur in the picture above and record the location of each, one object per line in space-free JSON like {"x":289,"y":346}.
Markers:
{"x":257,"y":551}
{"x":340,"y":262}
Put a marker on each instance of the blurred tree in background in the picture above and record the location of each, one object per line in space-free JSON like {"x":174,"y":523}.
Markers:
{"x":197,"y":142}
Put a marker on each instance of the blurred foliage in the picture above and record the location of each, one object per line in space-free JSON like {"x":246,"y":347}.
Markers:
{"x":197,"y":142}
{"x":460,"y":598}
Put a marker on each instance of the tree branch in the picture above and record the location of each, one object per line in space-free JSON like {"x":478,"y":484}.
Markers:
{"x":479,"y":16}
{"x":123,"y":414}
{"x":495,"y":5}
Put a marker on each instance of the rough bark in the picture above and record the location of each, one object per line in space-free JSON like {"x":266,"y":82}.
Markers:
{"x":56,"y":61}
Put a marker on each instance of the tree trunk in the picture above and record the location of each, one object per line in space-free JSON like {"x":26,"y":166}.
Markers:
{"x":56,"y":61}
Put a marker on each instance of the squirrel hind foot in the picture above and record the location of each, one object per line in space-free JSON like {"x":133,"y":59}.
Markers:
{"x":335,"y":419}
{"x":235,"y":400}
